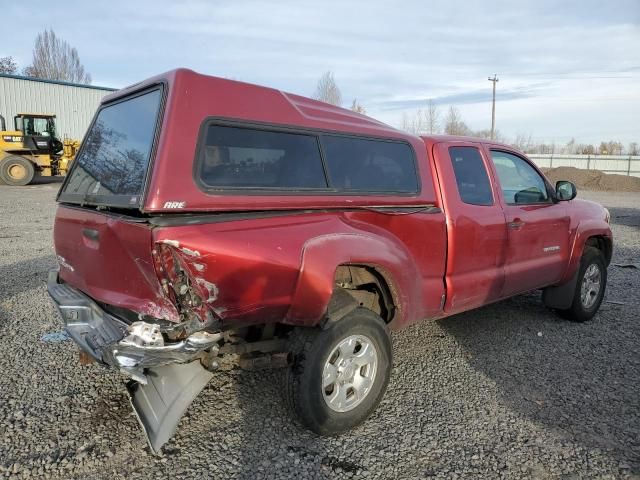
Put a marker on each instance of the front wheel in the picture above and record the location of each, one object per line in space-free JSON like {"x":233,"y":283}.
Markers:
{"x":590,"y":287}
{"x":339,"y":374}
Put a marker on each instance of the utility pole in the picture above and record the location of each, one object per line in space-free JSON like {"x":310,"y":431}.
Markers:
{"x":493,"y":105}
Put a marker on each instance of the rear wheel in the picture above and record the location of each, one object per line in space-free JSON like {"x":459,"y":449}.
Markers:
{"x":16,"y":170}
{"x":339,"y":374}
{"x":590,"y":287}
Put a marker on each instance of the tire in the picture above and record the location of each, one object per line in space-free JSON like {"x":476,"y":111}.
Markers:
{"x":16,"y":170}
{"x":590,"y":287}
{"x":352,"y":338}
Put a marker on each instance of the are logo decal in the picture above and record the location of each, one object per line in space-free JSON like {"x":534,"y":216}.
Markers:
{"x":175,"y":204}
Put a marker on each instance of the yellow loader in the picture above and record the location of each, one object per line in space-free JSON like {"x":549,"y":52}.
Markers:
{"x":32,"y":148}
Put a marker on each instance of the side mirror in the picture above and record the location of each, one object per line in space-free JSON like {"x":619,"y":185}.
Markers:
{"x":565,"y":191}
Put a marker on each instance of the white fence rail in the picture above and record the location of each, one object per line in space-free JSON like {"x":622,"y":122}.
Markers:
{"x":619,"y":164}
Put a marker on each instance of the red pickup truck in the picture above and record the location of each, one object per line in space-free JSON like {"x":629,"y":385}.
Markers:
{"x":206,"y":217}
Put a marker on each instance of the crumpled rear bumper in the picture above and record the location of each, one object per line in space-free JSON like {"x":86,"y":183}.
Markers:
{"x":166,"y":378}
{"x":93,"y":329}
{"x":129,"y":347}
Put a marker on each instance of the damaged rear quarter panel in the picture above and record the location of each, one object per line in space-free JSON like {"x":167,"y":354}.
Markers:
{"x":281,"y":269}
{"x":243,"y":270}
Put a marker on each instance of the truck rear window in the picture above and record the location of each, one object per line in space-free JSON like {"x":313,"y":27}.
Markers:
{"x":112,"y":164}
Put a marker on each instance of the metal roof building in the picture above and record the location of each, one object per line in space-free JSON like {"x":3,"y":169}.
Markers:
{"x":73,"y":104}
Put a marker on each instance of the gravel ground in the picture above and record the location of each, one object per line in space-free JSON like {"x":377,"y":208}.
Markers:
{"x":507,"y":391}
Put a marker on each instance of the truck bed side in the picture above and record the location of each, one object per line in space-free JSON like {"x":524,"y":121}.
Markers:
{"x":261,"y":270}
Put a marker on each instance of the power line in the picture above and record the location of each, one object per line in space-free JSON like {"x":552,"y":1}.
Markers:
{"x":493,"y":105}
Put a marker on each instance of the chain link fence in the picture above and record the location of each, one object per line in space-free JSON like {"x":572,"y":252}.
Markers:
{"x":618,"y":164}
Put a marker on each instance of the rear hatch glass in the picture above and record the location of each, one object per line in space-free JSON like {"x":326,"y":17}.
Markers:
{"x":111,"y":167}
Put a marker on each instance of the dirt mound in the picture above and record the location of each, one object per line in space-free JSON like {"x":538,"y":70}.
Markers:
{"x":593,"y":179}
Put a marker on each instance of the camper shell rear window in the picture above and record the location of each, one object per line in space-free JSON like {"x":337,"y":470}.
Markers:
{"x":112,"y":164}
{"x":257,"y":159}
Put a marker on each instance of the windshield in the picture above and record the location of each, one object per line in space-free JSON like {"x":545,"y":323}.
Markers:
{"x":38,"y":126}
{"x":112,"y":164}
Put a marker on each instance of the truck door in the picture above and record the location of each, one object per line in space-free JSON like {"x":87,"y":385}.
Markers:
{"x":538,"y":228}
{"x":476,"y":227}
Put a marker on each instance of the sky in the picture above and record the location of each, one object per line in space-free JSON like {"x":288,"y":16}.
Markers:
{"x":566,"y":69}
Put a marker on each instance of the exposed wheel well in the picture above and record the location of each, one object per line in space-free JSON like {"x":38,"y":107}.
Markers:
{"x":361,"y":286}
{"x":603,"y":244}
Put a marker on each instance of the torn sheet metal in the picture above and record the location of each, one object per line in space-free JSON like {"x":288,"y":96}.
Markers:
{"x":160,"y":404}
{"x":130,"y":353}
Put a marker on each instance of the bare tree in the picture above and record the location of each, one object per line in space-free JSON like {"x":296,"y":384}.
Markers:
{"x":610,"y":148}
{"x":8,"y":65}
{"x":486,"y":133}
{"x":585,"y":149}
{"x":55,"y":59}
{"x":327,"y":90}
{"x":432,"y":117}
{"x":634,"y":149}
{"x":616,"y":147}
{"x":589,"y":150}
{"x":523,"y":142}
{"x":546,"y":148}
{"x":408,"y":123}
{"x":603,"y":148}
{"x":422,"y":121}
{"x":357,"y":107}
{"x":454,"y":124}
{"x":452,"y":121}
{"x":413,"y":122}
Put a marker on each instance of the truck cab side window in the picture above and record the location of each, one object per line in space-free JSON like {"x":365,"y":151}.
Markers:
{"x":471,"y":176}
{"x":520,"y":182}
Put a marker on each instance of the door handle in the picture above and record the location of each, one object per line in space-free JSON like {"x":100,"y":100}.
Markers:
{"x":91,"y":234}
{"x":517,"y":224}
